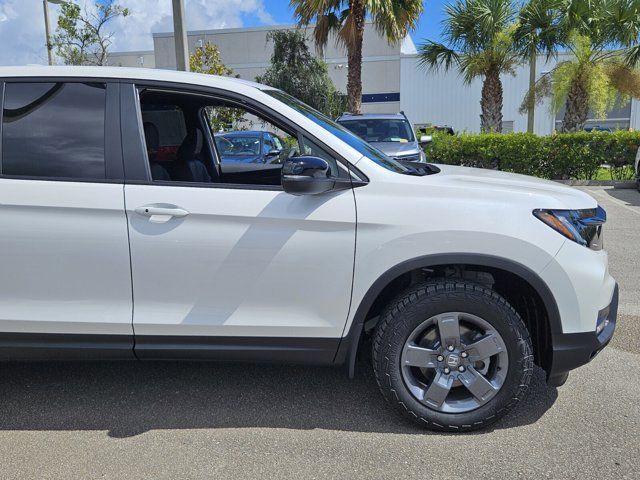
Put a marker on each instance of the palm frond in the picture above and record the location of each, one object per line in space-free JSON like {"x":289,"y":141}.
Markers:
{"x":435,"y":55}
{"x":325,"y":25}
{"x":625,"y":79}
{"x":632,"y":56}
{"x":542,"y":89}
{"x":538,"y":28}
{"x":395,"y":18}
{"x":307,"y":11}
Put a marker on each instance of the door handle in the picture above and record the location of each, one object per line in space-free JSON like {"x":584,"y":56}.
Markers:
{"x":161,"y":214}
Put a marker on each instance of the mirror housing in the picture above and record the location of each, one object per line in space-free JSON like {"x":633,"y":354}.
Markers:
{"x":424,"y":139}
{"x":306,"y":175}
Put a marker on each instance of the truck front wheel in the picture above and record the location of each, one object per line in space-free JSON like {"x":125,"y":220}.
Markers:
{"x":452,"y":355}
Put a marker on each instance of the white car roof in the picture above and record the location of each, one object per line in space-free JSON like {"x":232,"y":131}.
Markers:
{"x":129,"y":74}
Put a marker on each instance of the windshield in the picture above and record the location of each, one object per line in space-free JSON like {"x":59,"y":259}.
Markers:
{"x":380,"y":129}
{"x":238,"y":145}
{"x":341,"y":132}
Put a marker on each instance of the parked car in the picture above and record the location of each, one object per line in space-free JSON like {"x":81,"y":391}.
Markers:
{"x":445,"y":129}
{"x":462,"y":278}
{"x":390,"y":133}
{"x":249,"y":147}
{"x":597,"y":128}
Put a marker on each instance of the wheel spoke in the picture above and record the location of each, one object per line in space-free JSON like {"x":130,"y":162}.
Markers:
{"x":449,"y":328}
{"x":416,"y":356}
{"x":484,"y":348}
{"x":478,"y":385}
{"x":437,"y":392}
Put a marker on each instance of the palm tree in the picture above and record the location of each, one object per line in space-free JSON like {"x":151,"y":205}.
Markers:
{"x":346,"y":18}
{"x":538,"y":32}
{"x":479,"y":43}
{"x":592,"y":79}
{"x":601,"y":38}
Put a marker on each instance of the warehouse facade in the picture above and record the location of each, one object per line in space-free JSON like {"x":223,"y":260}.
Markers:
{"x":392,"y":79}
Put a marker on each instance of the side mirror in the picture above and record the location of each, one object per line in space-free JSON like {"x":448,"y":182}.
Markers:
{"x":424,"y":139}
{"x":306,"y":176}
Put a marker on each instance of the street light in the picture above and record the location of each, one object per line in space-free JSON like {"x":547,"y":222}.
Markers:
{"x":45,"y":5}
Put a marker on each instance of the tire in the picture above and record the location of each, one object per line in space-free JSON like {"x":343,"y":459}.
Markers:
{"x":481,"y":314}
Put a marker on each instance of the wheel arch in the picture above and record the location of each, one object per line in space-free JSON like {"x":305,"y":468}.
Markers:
{"x":349,"y":344}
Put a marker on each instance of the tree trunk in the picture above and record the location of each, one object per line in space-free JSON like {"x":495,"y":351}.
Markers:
{"x":491,"y":103}
{"x":354,"y":56}
{"x":531,"y":104}
{"x":577,"y":107}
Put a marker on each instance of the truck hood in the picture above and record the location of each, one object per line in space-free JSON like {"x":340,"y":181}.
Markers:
{"x":397,"y":149}
{"x":558,"y":195}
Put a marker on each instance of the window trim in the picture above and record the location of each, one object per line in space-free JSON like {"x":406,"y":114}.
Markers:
{"x":113,"y":162}
{"x":357,"y":178}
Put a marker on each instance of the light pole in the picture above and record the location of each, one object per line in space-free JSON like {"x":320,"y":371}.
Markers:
{"x":45,"y":5}
{"x":180,"y":36}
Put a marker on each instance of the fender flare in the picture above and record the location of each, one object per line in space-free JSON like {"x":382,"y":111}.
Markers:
{"x":348,"y":348}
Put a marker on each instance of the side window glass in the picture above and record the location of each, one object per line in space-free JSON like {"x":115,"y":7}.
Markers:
{"x":174,"y":139}
{"x":201,"y":139}
{"x":268,"y":144}
{"x":312,"y":149}
{"x":246,"y":147}
{"x":54,"y":130}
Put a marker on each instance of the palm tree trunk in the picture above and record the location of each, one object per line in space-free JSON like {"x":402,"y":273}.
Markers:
{"x":354,"y":56}
{"x":491,"y":103}
{"x":577,"y":107}
{"x":531,"y":107}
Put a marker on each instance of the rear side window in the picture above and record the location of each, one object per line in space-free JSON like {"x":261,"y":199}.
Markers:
{"x":54,"y":130}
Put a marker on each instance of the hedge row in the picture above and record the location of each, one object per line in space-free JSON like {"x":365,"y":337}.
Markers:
{"x":563,"y":156}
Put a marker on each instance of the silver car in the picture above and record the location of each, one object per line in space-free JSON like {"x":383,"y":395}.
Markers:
{"x":392,"y":133}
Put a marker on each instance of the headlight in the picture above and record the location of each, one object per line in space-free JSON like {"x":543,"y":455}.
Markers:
{"x":581,"y":226}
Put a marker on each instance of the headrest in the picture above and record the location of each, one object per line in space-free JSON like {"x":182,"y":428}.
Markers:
{"x":191,"y":146}
{"x":151,"y":135}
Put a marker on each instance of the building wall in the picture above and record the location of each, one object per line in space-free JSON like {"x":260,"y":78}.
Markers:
{"x":391,"y":76}
{"x":248,"y":53}
{"x":443,"y":98}
{"x":144,"y":59}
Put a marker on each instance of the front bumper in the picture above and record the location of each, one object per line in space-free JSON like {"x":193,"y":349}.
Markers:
{"x":572,"y":350}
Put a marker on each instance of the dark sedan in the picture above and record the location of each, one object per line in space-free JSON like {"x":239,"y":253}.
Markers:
{"x":249,"y":146}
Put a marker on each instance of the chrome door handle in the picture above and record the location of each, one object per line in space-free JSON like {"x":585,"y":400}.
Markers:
{"x":161,"y":214}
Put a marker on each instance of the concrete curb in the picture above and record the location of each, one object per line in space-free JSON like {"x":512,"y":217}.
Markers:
{"x":600,"y":183}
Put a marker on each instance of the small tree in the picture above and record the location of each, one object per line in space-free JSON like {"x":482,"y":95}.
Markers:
{"x":81,"y":38}
{"x":206,"y":59}
{"x":599,"y":71}
{"x":300,"y":74}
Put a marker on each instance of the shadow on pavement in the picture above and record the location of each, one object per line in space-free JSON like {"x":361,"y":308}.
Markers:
{"x":130,"y":398}
{"x":629,"y":196}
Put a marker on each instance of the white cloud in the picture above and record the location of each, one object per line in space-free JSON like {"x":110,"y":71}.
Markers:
{"x":22,"y":24}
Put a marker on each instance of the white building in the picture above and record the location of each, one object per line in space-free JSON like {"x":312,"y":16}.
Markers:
{"x":391,"y":76}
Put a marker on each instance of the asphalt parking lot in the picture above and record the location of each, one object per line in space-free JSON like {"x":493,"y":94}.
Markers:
{"x":172,"y":420}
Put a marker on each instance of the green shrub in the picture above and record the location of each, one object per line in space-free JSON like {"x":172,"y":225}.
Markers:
{"x":564,"y":156}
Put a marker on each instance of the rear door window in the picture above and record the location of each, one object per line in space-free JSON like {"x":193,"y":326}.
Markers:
{"x":54,"y":130}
